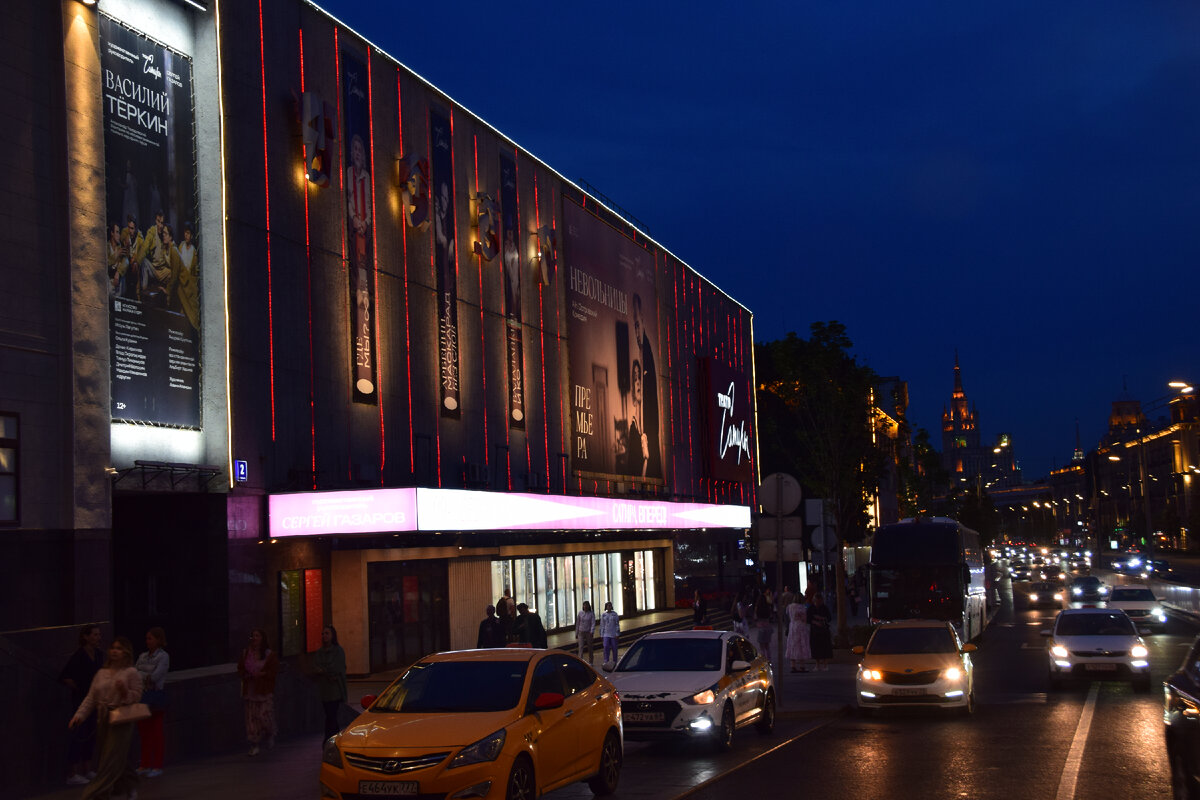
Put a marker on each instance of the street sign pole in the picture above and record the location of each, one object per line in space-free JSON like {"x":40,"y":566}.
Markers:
{"x":780,"y":495}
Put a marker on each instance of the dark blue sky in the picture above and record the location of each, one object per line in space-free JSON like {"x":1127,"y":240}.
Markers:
{"x":1016,"y":181}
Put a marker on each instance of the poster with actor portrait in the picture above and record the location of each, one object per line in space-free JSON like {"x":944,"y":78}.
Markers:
{"x":612,"y":322}
{"x":151,"y":233}
{"x":510,"y":255}
{"x":445,"y":254}
{"x":360,"y":250}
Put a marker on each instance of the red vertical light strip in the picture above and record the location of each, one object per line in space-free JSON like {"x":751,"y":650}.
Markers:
{"x":482,"y":338}
{"x":312,"y":411}
{"x":375,"y":270}
{"x":412,"y":456}
{"x":262,"y":53}
{"x":537,"y":221}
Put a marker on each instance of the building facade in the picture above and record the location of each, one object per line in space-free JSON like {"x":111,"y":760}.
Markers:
{"x":311,"y":344}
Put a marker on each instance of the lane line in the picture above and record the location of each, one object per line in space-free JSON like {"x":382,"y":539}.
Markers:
{"x":1070,"y":775}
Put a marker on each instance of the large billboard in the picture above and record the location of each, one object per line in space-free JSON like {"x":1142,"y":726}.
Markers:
{"x":445,"y":254}
{"x":360,"y":217}
{"x":510,"y":236}
{"x":729,"y":422}
{"x":612,"y":323}
{"x":152,"y":233}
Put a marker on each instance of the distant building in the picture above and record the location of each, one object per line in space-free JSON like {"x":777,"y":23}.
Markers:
{"x":964,"y":458}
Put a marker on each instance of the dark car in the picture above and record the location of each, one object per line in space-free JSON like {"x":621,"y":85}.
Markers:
{"x":1019,"y":572}
{"x":1087,"y":591}
{"x":1181,"y":721}
{"x":1045,"y":593}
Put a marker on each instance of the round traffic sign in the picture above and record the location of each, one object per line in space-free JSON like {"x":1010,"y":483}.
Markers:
{"x":779,"y":493}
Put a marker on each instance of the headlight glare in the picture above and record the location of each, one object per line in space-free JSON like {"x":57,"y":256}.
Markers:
{"x":1058,"y":651}
{"x":953,"y":674}
{"x":1139,"y":651}
{"x":704,"y":698}
{"x":486,"y":749}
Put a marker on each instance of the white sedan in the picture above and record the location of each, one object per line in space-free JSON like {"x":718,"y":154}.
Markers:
{"x":694,"y":684}
{"x":1096,"y":644}
{"x":1140,"y":604}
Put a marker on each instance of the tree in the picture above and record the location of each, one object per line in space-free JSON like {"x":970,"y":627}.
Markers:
{"x":815,"y":422}
{"x":922,"y":480}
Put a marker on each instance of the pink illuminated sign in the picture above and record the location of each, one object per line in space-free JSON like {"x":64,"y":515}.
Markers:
{"x":367,"y":511}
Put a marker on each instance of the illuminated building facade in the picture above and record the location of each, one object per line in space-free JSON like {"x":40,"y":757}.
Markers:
{"x":372,"y":365}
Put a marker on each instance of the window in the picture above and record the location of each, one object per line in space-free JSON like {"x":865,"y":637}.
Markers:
{"x":9,"y":453}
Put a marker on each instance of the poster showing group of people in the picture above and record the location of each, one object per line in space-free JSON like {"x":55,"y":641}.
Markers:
{"x":612,"y":319}
{"x":152,"y":237}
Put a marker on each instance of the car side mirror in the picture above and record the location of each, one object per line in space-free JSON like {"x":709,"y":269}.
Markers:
{"x":858,"y":649}
{"x":739,"y":666}
{"x":969,"y":648}
{"x":367,"y":700}
{"x":548,"y":700}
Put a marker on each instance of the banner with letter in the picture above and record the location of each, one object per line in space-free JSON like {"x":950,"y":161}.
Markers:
{"x":510,"y":250}
{"x":152,"y":233}
{"x":728,"y":410}
{"x":445,"y":257}
{"x":360,"y":242}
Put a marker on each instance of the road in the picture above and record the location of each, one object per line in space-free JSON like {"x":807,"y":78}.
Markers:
{"x":1092,"y":741}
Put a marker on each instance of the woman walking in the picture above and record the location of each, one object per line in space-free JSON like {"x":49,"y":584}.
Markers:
{"x":798,"y":650}
{"x":258,"y":667}
{"x":116,"y":684}
{"x":585,"y":627}
{"x":330,"y":663}
{"x":153,"y":665}
{"x":77,"y":675}
{"x":820,"y":636}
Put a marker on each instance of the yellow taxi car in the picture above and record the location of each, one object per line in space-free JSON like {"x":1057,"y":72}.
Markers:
{"x":915,"y":662}
{"x":508,"y":723}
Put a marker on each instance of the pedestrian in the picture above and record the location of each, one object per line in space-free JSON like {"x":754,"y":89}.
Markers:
{"x":610,"y":632}
{"x":820,"y":636}
{"x":744,"y":608}
{"x":77,"y":675}
{"x":786,"y":597}
{"x":852,"y":597}
{"x":528,"y":627}
{"x":699,"y":609}
{"x":491,"y":630}
{"x":764,"y":628}
{"x":585,"y":627}
{"x":330,"y":667}
{"x":504,"y":614}
{"x":258,"y":666}
{"x":153,"y":666}
{"x":797,"y":650}
{"x":116,"y":684}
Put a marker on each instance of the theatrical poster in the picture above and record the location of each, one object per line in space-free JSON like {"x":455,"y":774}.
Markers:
{"x":728,"y":412}
{"x":612,"y":322}
{"x":510,"y":251}
{"x":441,"y":167}
{"x":152,"y":233}
{"x":359,"y":239}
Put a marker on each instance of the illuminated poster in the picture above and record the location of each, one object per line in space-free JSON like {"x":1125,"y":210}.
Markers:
{"x":291,"y":612}
{"x":314,"y":610}
{"x":510,"y":236}
{"x":445,"y":255}
{"x":359,"y":218}
{"x":612,"y":322}
{"x":726,"y":403}
{"x":152,"y":233}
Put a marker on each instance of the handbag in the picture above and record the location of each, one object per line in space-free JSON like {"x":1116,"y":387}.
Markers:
{"x":119,"y":715}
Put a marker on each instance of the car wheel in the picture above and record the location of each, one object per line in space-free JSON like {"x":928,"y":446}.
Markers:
{"x":604,"y":782}
{"x":766,"y":717}
{"x":521,"y":785}
{"x":725,"y":730}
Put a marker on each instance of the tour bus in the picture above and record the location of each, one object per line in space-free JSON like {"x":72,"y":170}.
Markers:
{"x":928,"y":568}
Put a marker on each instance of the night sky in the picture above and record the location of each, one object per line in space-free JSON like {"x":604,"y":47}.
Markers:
{"x":1016,"y":182}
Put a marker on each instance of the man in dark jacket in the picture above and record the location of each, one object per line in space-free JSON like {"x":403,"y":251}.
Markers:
{"x":529,"y":627}
{"x":491,"y":632}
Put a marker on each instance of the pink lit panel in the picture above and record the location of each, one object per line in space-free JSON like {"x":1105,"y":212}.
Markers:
{"x":344,"y":513}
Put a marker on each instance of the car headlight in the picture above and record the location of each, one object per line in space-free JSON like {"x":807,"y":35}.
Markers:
{"x":1138,"y":651}
{"x":704,"y":698}
{"x":486,"y":749}
{"x":1032,"y":597}
{"x":1103,"y":590}
{"x":1058,"y":651}
{"x":952,"y":674}
{"x":1077,"y":591}
{"x":872,"y":675}
{"x":1058,"y":596}
{"x":1135,"y":562}
{"x":331,"y":755}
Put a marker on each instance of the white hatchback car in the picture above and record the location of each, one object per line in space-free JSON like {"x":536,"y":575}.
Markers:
{"x":700,"y":683}
{"x":1140,"y":604}
{"x":1096,"y":644}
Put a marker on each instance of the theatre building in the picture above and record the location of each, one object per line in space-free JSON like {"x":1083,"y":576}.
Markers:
{"x":295,"y":340}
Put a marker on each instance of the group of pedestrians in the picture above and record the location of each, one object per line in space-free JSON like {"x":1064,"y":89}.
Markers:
{"x":500,"y":628}
{"x":807,"y":619}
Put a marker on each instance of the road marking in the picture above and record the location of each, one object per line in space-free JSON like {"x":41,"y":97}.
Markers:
{"x":1070,"y":775}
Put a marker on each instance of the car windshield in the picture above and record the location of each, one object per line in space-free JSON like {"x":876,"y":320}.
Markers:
{"x":903,"y":641}
{"x":1132,"y":594}
{"x":455,"y":687}
{"x":1115,"y":624}
{"x":673,"y":655}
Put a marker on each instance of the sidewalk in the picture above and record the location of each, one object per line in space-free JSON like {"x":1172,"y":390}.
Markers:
{"x":291,"y":769}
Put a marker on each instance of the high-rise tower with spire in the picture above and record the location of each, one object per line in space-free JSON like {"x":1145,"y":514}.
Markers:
{"x":961,"y":454}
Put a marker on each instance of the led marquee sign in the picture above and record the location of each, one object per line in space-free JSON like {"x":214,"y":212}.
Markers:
{"x":398,"y":510}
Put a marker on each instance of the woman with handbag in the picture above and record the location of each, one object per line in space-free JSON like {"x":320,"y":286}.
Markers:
{"x":153,"y":665}
{"x":114,"y":696}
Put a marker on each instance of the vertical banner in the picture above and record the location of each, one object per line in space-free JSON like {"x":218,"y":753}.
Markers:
{"x":510,"y":236}
{"x":152,"y":234}
{"x":445,"y":255}
{"x":291,"y":612}
{"x":612,"y":324}
{"x":728,"y":413}
{"x":359,"y":241}
{"x":314,"y":610}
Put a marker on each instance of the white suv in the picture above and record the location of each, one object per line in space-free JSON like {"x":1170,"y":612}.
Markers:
{"x":699,"y":684}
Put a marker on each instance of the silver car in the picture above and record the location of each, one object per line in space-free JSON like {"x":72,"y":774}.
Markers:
{"x":1096,"y":644}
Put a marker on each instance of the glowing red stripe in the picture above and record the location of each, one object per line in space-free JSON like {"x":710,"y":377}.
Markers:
{"x":375,"y":273}
{"x":267,"y":192}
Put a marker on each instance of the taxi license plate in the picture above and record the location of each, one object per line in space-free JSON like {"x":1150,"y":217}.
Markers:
{"x":1100,"y":667}
{"x":388,"y":788}
{"x":644,"y":716}
{"x":908,"y":692}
